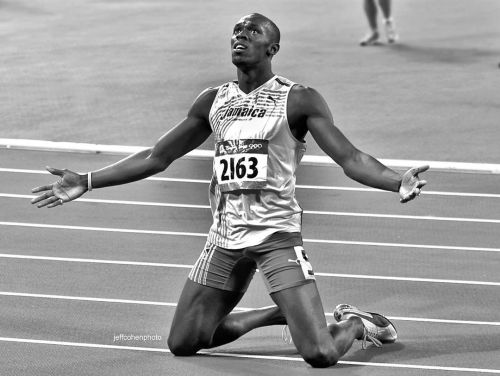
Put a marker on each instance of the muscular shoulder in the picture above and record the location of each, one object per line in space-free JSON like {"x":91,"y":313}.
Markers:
{"x":303,"y":103}
{"x":304,"y":99}
{"x":203,"y":103}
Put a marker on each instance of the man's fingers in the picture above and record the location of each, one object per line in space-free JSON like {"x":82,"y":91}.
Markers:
{"x":407,"y":198}
{"x":42,"y":188}
{"x":421,"y":183}
{"x":42,"y":197}
{"x":420,"y":169}
{"x":50,"y":202}
{"x":411,"y":181}
{"x":410,"y":196}
{"x":414,"y":171}
{"x":55,"y":171}
{"x":56,"y":202}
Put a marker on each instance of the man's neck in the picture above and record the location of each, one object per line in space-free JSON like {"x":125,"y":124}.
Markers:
{"x":252,"y":79}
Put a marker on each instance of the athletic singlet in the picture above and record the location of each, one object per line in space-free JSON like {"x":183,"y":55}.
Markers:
{"x":252,"y":190}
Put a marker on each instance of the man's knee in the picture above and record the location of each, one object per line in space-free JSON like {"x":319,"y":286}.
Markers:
{"x":186,"y":345}
{"x":320,"y":356}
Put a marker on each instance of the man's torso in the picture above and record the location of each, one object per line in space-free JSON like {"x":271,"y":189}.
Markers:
{"x":252,"y":193}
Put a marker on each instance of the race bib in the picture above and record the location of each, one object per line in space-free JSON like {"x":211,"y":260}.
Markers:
{"x":241,"y":164}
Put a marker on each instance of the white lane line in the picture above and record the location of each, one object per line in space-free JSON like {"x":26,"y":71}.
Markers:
{"x":166,"y":304}
{"x":82,"y":344}
{"x":245,"y":356}
{"x":403,"y":245}
{"x":86,"y":299}
{"x":320,"y":160}
{"x":94,"y":261}
{"x":408,"y":279}
{"x":118,"y":202}
{"x":104,"y":229}
{"x":184,"y":266}
{"x":443,"y":321}
{"x":299,"y":186}
{"x":397,"y":216}
{"x":313,"y":212}
{"x":371,"y":190}
{"x":196,"y":234}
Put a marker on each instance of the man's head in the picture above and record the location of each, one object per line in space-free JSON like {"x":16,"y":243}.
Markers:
{"x":255,"y":40}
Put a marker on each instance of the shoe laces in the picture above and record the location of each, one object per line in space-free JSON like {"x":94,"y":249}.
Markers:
{"x":369,"y":336}
{"x":286,"y":336}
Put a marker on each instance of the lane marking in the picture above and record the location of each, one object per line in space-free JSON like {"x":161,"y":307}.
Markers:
{"x":398,"y":216}
{"x":166,"y":304}
{"x":321,"y":160}
{"x":184,"y":266}
{"x":105,"y":229}
{"x":87,"y":299}
{"x":299,"y":186}
{"x":310,"y":212}
{"x":118,"y":202}
{"x":444,"y":321}
{"x":246,"y":356}
{"x":403,"y":245}
{"x":408,"y":279}
{"x":196,"y":234}
{"x":94,"y":261}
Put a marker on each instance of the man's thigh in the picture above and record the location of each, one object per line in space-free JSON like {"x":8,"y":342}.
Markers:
{"x":223,"y":269}
{"x":304,"y":313}
{"x":284,"y":267}
{"x":215,"y":285}
{"x":199,"y":311}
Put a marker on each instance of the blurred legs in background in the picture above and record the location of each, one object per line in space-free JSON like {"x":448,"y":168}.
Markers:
{"x":371,"y":11}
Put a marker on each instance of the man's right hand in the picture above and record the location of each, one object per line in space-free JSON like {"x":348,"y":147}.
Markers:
{"x":69,"y":187}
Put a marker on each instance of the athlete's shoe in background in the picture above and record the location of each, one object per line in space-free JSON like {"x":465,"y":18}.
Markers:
{"x":390,"y":31}
{"x":377,"y":328}
{"x":370,"y":39}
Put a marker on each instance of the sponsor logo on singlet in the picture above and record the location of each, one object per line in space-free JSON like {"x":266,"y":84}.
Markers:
{"x":242,"y":112}
{"x":241,"y":146}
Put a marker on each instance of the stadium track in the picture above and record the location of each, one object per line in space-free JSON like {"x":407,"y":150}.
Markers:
{"x":430,"y":265}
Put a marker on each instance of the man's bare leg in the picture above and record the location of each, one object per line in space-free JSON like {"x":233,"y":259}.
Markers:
{"x":320,"y":345}
{"x":389,"y":24}
{"x":370,"y":8}
{"x":371,"y":12}
{"x":385,"y":6}
{"x":203,"y":319}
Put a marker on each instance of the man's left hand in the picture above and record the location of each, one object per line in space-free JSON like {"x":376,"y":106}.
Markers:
{"x":411,"y":184}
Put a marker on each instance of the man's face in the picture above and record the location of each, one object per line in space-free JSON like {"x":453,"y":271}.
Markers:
{"x":250,"y":41}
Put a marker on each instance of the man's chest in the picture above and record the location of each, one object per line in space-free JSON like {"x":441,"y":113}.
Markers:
{"x":243,"y":117}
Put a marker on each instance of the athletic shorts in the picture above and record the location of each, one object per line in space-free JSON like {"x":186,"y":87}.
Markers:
{"x":281,"y":259}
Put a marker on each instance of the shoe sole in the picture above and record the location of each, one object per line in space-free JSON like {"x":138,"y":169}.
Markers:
{"x":374,"y":43}
{"x":395,"y":334}
{"x":362,"y":315}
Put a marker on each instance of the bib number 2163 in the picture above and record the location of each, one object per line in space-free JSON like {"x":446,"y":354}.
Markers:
{"x":239,"y":169}
{"x":241,"y":164}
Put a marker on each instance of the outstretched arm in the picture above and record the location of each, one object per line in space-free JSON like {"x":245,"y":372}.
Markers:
{"x":309,"y":110}
{"x":184,"y":137}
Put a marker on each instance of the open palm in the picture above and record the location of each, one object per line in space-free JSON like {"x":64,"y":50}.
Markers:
{"x":411,"y":184}
{"x":69,"y":187}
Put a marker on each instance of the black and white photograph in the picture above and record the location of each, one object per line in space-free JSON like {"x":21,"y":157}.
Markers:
{"x":233,"y":188}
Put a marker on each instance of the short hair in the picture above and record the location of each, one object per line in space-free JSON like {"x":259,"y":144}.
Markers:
{"x":275,"y":31}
